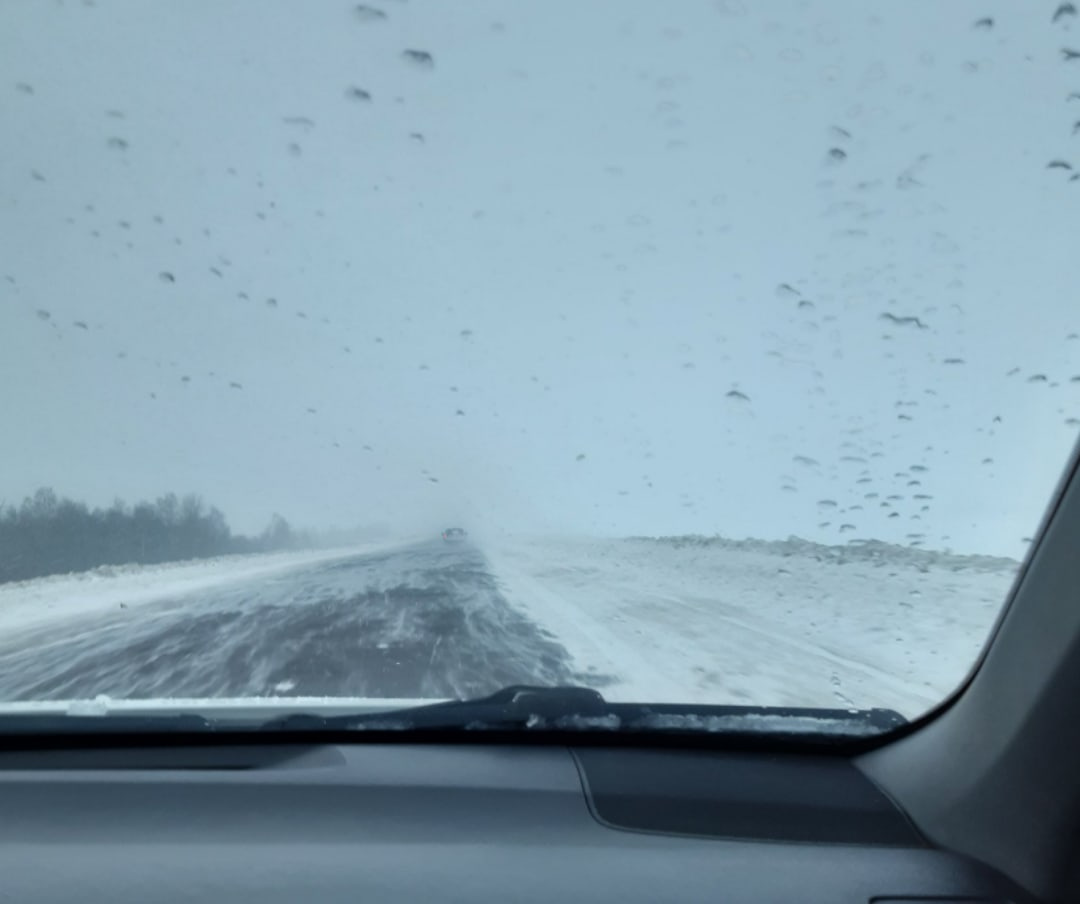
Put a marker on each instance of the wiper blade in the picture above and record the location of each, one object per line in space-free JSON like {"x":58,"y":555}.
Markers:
{"x":516,"y":706}
{"x":583,"y":709}
{"x":110,"y":723}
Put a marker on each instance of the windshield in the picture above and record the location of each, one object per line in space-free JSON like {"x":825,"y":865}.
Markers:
{"x":701,"y":353}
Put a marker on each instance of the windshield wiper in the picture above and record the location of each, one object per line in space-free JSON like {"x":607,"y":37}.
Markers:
{"x":517,"y":708}
{"x":110,"y":723}
{"x":512,"y":707}
{"x":584,"y":709}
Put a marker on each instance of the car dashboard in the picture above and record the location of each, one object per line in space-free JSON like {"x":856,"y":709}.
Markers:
{"x":462,"y":822}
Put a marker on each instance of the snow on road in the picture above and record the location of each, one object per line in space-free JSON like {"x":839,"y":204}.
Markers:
{"x":672,"y":620}
{"x":36,"y":603}
{"x":414,"y":620}
{"x":773,"y":625}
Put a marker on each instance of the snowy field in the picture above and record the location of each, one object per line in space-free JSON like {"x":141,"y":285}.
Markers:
{"x":781,"y":624}
{"x":671,"y":620}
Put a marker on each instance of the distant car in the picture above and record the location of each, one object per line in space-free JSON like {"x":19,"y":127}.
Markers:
{"x":454,"y":534}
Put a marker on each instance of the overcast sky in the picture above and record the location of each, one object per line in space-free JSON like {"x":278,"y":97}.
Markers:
{"x":605,"y":267}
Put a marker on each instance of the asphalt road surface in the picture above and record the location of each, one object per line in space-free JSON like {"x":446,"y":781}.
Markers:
{"x":419,"y":621}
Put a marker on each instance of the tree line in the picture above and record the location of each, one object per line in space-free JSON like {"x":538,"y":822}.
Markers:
{"x":48,"y":534}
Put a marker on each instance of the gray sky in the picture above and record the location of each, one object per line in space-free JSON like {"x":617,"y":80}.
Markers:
{"x":575,"y":228}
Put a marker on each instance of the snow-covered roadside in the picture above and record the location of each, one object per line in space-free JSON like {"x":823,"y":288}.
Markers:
{"x":714,"y":624}
{"x":32,"y":604}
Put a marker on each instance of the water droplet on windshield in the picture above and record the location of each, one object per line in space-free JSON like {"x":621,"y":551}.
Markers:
{"x":419,"y":58}
{"x":367,"y":13}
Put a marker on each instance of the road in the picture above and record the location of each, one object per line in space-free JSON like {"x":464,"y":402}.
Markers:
{"x":419,"y":621}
